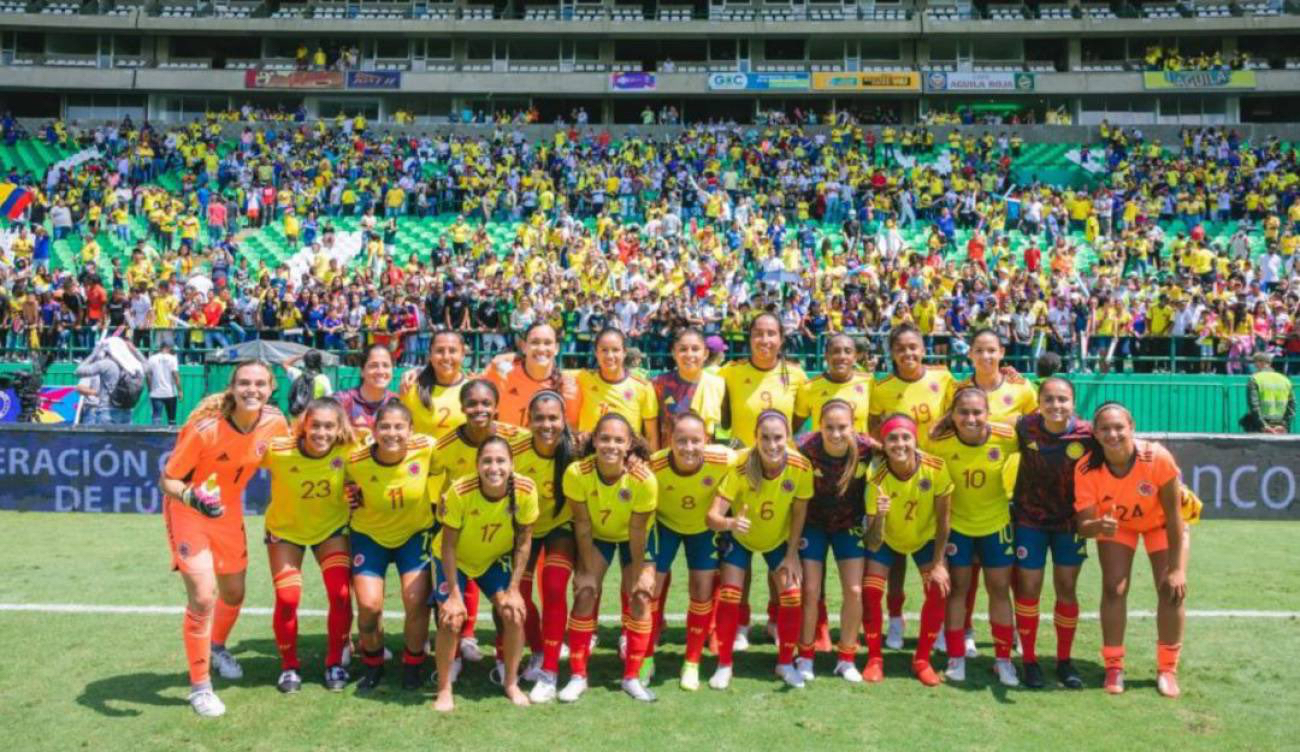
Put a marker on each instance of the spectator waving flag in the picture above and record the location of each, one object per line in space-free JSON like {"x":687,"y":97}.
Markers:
{"x":13,"y":199}
{"x":58,"y":404}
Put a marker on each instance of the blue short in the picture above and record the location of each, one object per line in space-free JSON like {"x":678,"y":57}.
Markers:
{"x":701,"y":551}
{"x":491,"y":582}
{"x":1068,"y":549}
{"x":370,"y":558}
{"x":606,"y":548}
{"x":886,"y":555}
{"x":847,"y":544}
{"x":269,"y":538}
{"x":993,"y":550}
{"x":561,"y":532}
{"x":733,"y":552}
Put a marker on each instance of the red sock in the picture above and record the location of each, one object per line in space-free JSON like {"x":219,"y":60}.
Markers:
{"x":895,"y":603}
{"x":470,"y":596}
{"x":336,"y":571}
{"x":822,"y":637}
{"x":1003,"y":636}
{"x":657,"y":628}
{"x":698,"y":617}
{"x":728,"y":615}
{"x":713,"y":613}
{"x":746,"y":615}
{"x":847,"y":653}
{"x":807,"y":650}
{"x":956,"y":639}
{"x":555,"y":589}
{"x":1112,"y":656}
{"x":373,"y":659}
{"x":639,"y":646}
{"x":284,"y":620}
{"x":789,"y":612}
{"x":1027,"y":626}
{"x":931,"y":623}
{"x":412,"y":659}
{"x":580,"y":631}
{"x":533,"y":618}
{"x":1167,"y":657}
{"x":970,"y":597}
{"x":223,"y":620}
{"x":1066,"y":619}
{"x":873,"y":592}
{"x":196,"y":631}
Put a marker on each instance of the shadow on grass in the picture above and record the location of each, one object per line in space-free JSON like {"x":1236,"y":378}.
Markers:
{"x":112,"y":697}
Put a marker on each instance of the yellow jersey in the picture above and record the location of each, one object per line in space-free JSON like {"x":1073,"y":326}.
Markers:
{"x":751,"y":390}
{"x":453,"y":457}
{"x":911,"y":521}
{"x":817,"y":392}
{"x":768,"y":508}
{"x":634,"y":398}
{"x":611,"y":505}
{"x":981,"y":496}
{"x":307,"y":500}
{"x":397,"y":501}
{"x":925,"y":399}
{"x":442,"y":416}
{"x":1012,"y":398}
{"x":684,"y":500}
{"x":541,"y":471}
{"x":486,"y":525}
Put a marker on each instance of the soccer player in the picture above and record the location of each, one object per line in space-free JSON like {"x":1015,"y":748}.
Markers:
{"x":919,"y":391}
{"x":309,"y":508}
{"x":613,"y":504}
{"x":518,"y":376}
{"x":976,"y":452}
{"x":551,"y":450}
{"x":760,"y":508}
{"x":688,"y":387}
{"x":1051,"y":441}
{"x":908,"y":497}
{"x":689,"y":473}
{"x":611,"y":388}
{"x":486,"y":534}
{"x":362,"y":403}
{"x":392,"y":524}
{"x":218,"y":450}
{"x":433,"y":393}
{"x":841,"y":380}
{"x":839,"y":457}
{"x":1126,"y":490}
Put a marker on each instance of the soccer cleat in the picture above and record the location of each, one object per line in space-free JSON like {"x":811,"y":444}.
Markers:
{"x":206,"y":703}
{"x":690,"y":680}
{"x":805,"y":668}
{"x":336,"y":678}
{"x":940,"y":643}
{"x":469,"y":649}
{"x":346,"y":659}
{"x":971,"y":650}
{"x":573,"y":690}
{"x":790,"y":675}
{"x":721,"y":678}
{"x":225,"y":663}
{"x":894,"y":637}
{"x":875,"y":671}
{"x":850,"y":672}
{"x":370,"y":680}
{"x":497,"y":675}
{"x":956,"y":671}
{"x":410,"y":676}
{"x":544,"y":690}
{"x":1114,"y":681}
{"x":1006,"y":671}
{"x":534,"y":669}
{"x":1167,"y":684}
{"x":1068,"y":675}
{"x":289,"y":682}
{"x":1034,"y":676}
{"x":742,"y":642}
{"x":924,"y":673}
{"x":637,"y":691}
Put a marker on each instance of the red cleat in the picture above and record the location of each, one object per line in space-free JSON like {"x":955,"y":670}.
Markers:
{"x":925,"y":674}
{"x":875,"y":671}
{"x":1167,"y":684}
{"x":1114,"y":682}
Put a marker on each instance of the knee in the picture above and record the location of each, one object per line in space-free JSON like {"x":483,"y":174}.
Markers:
{"x":202,"y":605}
{"x":1114,"y":588}
{"x":584,"y":598}
{"x":288,"y":596}
{"x":511,"y":617}
{"x":852,"y":592}
{"x":232,"y":596}
{"x":641,"y":598}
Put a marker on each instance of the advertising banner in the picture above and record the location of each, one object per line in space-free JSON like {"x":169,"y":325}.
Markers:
{"x":900,"y":81}
{"x":759,"y":81}
{"x":1247,"y":477}
{"x":1199,"y":79}
{"x":265,"y":79}
{"x":374,"y":80}
{"x":945,"y":81}
{"x":632,"y":81}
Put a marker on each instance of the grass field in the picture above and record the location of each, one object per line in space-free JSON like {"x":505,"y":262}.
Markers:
{"x":74,"y":680}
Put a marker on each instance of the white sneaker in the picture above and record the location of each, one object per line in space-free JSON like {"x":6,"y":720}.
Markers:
{"x":956,"y":671}
{"x":497,"y":674}
{"x":941,"y":643}
{"x":894,"y":637}
{"x":469,"y":649}
{"x":622,"y":646}
{"x":690,"y":680}
{"x":544,"y":690}
{"x":637,"y":691}
{"x":534,"y":669}
{"x":790,"y":675}
{"x":226,"y":665}
{"x":849,"y":671}
{"x":573,"y":690}
{"x":805,"y":668}
{"x":289,"y":682}
{"x":742,"y":642}
{"x":1006,"y":671}
{"x":972,"y":651}
{"x":721,"y":678}
{"x":206,"y":703}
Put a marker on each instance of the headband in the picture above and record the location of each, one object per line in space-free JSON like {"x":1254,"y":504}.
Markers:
{"x":542,"y":393}
{"x":897,"y":422}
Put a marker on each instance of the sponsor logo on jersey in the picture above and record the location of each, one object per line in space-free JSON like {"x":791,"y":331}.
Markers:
{"x":1074,"y":450}
{"x":223,"y":457}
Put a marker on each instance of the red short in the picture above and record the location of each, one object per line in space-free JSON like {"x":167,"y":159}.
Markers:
{"x":200,"y":545}
{"x":1156,"y":539}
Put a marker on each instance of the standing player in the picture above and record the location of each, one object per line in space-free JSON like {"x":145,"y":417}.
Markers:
{"x":362,"y":403}
{"x":840,"y":381}
{"x":486,"y":535}
{"x":1125,"y":490}
{"x":611,"y":388}
{"x":760,"y":508}
{"x":920,"y":392}
{"x":216,"y":454}
{"x":1051,"y":442}
{"x":688,"y":473}
{"x":613,"y":506}
{"x":976,"y":451}
{"x":309,"y":508}
{"x":688,"y":387}
{"x":432,"y":394}
{"x":392,"y":524}
{"x":908,"y":497}
{"x":518,"y":376}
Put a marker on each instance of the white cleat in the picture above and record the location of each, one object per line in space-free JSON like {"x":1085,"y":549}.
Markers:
{"x":956,"y":671}
{"x":534,"y":670}
{"x":1006,"y":671}
{"x":206,"y":703}
{"x":543,"y":691}
{"x":226,"y":665}
{"x":469,"y":649}
{"x":690,"y":680}
{"x":637,"y":691}
{"x":894,"y":637}
{"x":790,"y":675}
{"x":972,"y":651}
{"x":805,"y":668}
{"x":850,"y":672}
{"x":721,"y":678}
{"x":741,"y":643}
{"x":573,"y":690}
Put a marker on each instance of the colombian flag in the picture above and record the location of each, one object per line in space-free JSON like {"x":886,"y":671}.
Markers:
{"x":13,"y":199}
{"x":58,"y":405}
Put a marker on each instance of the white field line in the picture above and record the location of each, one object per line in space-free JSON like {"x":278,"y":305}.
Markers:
{"x":95,"y":609}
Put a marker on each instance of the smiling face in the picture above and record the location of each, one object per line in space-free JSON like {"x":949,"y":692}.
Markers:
{"x":494,"y":467}
{"x":377,"y":371}
{"x":970,"y":415}
{"x":540,"y":347}
{"x":446,"y":355}
{"x":837,"y":429}
{"x":771,"y":442}
{"x":613,"y":440}
{"x":900,"y":446}
{"x":688,"y":444}
{"x":479,"y":405}
{"x":689,"y":353}
{"x":908,"y":352}
{"x":1114,"y":430}
{"x":1056,"y":403}
{"x":841,"y":354}
{"x":765,"y":341}
{"x":610,"y":354}
{"x":321,"y":429}
{"x":392,"y":429}
{"x":251,"y":386}
{"x":546,"y":421}
{"x":986,"y":353}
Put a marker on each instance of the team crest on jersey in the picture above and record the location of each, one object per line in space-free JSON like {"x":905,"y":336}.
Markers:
{"x":1006,"y":399}
{"x":624,"y":494}
{"x":858,"y":388}
{"x":1146,"y":489}
{"x":1022,"y":552}
{"x":924,"y":484}
{"x":261,"y":448}
{"x":994,"y":454}
{"x":184,"y":550}
{"x":414,"y":469}
{"x":336,"y":463}
{"x":707,"y":481}
{"x":934,"y":387}
{"x":787,"y":485}
{"x":628,"y":395}
{"x":1074,"y":450}
{"x":358,"y":560}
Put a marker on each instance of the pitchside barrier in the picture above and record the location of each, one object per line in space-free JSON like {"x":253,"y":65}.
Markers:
{"x":54,"y":469}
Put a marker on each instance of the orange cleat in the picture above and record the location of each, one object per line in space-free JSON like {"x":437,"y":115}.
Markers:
{"x":1114,"y":682}
{"x":925,"y":674}
{"x":875,"y":671}
{"x":1167,"y":684}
